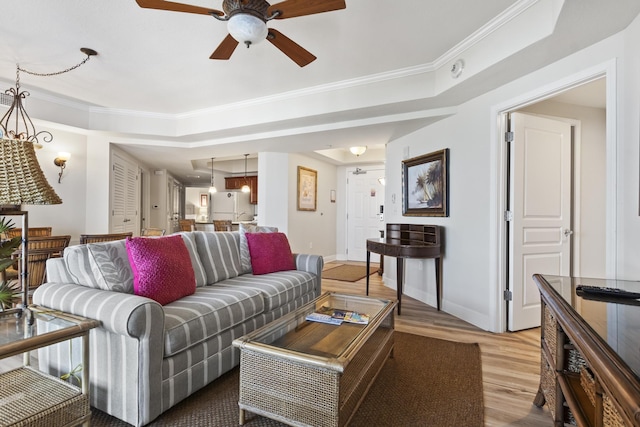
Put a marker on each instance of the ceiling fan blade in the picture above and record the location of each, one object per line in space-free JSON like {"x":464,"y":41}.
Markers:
{"x":293,"y":8}
{"x":225,"y":49}
{"x":293,"y":50}
{"x":177,"y":7}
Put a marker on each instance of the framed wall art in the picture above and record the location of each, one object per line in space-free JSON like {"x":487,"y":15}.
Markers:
{"x":307,"y":189}
{"x":204,"y":200}
{"x":425,"y":180}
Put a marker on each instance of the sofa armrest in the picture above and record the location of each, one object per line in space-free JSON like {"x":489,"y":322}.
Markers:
{"x":120,"y":313}
{"x":128,"y":343}
{"x":309,"y":263}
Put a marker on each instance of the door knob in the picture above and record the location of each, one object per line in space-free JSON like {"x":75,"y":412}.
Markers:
{"x":568,"y":232}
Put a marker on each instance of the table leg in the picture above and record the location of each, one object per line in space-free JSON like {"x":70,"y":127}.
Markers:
{"x":438,"y":281}
{"x":368,"y":264}
{"x":539,"y":400}
{"x":242,"y":417}
{"x":399,"y":279}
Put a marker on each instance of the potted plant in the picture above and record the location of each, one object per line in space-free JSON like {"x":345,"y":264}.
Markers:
{"x":8,"y":288}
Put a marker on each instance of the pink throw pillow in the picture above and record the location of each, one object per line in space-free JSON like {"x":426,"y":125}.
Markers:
{"x":270,"y":252}
{"x":162,"y":268}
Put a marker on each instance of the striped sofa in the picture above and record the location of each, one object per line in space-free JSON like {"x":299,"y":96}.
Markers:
{"x":146,"y":357}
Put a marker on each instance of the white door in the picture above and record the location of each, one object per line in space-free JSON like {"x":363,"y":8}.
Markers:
{"x":125,"y":193}
{"x":540,"y":200}
{"x":365,"y":195}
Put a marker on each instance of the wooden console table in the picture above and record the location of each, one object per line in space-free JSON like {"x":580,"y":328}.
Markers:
{"x":590,"y":367}
{"x":409,"y":241}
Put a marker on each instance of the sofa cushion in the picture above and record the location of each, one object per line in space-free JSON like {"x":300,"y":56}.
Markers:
{"x":270,"y":252}
{"x":277,"y":289}
{"x":219,"y":253}
{"x":161,"y":268}
{"x":100,"y":265}
{"x":198,"y":269}
{"x":206,"y":313}
{"x":245,"y":256}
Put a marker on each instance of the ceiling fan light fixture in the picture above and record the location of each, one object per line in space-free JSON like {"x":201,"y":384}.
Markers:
{"x":247,"y":29}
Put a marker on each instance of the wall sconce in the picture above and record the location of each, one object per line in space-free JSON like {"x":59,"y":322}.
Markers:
{"x":61,"y":162}
{"x":358,"y":151}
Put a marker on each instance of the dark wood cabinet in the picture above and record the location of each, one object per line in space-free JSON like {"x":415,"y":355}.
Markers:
{"x":236,"y":183}
{"x":589,"y":363}
{"x":233,"y":182}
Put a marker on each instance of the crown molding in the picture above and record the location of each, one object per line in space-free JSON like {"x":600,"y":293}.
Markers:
{"x":493,"y":26}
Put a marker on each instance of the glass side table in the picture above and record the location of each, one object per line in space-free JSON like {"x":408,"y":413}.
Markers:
{"x":33,"y":398}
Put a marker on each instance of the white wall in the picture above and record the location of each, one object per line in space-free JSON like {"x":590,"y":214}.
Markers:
{"x":70,"y":216}
{"x":312,"y":231}
{"x":273,"y":190}
{"x":628,"y":221}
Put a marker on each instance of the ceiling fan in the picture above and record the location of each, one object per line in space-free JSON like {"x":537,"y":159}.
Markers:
{"x":247,"y":22}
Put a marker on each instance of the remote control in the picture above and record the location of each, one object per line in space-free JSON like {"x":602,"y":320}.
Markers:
{"x":606,"y":292}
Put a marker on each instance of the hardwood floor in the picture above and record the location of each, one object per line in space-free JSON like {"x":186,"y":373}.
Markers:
{"x":510,"y":361}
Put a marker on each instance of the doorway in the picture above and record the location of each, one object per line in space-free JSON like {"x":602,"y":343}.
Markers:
{"x":570,"y":238}
{"x":365,"y":210}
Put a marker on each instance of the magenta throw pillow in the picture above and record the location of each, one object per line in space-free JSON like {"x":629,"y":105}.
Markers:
{"x":162,"y":268}
{"x":270,"y":252}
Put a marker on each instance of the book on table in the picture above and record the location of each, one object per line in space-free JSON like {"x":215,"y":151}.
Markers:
{"x":336,"y":316}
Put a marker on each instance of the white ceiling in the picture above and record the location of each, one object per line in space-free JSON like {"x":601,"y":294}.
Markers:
{"x":155,"y":63}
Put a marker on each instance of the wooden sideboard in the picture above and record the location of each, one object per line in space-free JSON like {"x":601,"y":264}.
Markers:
{"x":590,"y":354}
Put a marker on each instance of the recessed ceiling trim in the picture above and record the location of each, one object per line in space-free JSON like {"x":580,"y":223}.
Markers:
{"x":245,"y":137}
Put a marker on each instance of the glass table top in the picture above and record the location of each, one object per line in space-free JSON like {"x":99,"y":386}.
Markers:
{"x":14,"y":329}
{"x":293,"y":333}
{"x":617,"y":323}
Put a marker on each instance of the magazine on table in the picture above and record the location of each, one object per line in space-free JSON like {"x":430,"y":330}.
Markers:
{"x":336,"y":316}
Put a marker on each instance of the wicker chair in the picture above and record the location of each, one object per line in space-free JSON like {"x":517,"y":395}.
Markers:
{"x":97,"y":238}
{"x":31,"y":232}
{"x":187,"y":224}
{"x":221,"y":225}
{"x":41,"y":248}
{"x":152,"y":231}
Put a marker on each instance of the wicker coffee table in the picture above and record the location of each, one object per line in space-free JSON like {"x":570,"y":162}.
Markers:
{"x":307,"y":373}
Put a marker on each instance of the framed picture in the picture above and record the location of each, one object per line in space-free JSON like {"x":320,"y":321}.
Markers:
{"x":307,"y":189}
{"x":425,"y":190}
{"x":204,"y":200}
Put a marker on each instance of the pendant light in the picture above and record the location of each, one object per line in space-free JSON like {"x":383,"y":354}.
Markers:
{"x":212,"y":188}
{"x":245,"y":188}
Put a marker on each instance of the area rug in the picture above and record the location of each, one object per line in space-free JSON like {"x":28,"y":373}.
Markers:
{"x":348,"y":273}
{"x":428,"y":382}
